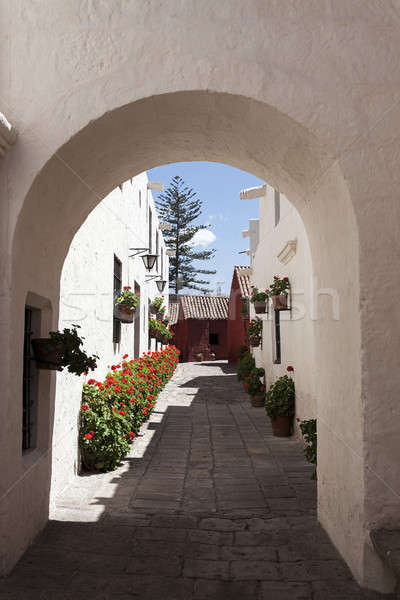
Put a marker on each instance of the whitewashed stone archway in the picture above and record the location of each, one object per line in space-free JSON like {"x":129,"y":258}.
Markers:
{"x":100,"y":92}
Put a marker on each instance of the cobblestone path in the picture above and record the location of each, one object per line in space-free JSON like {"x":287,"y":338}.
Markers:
{"x":209,"y":505}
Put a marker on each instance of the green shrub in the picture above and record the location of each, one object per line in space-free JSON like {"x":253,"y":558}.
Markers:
{"x":280,"y":398}
{"x":253,"y":385}
{"x":245,"y":366}
{"x":308,"y":429}
{"x":242,"y":351}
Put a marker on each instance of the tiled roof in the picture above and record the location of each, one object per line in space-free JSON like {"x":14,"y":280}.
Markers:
{"x":204,"y":307}
{"x":173,"y":312}
{"x":243,"y":275}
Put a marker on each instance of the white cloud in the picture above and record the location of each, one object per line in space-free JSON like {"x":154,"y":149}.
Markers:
{"x":203,"y":237}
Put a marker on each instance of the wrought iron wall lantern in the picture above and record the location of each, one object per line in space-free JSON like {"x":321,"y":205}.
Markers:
{"x":148,"y":259}
{"x":161,"y":285}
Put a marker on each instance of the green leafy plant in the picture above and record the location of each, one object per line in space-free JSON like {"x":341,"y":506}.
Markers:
{"x":157,"y":303}
{"x":113,"y":410}
{"x":257,"y":296}
{"x":253,"y":384}
{"x":245,"y":366}
{"x":128,"y":297}
{"x":308,"y":429}
{"x":278,"y":286}
{"x":73,"y":358}
{"x":157,"y":328}
{"x":280,"y":398}
{"x":242,"y":351}
{"x":255,"y":328}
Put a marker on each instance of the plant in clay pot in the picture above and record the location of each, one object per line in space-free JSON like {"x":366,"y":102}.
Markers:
{"x":259,"y":300}
{"x":245,"y":366}
{"x":255,"y":387}
{"x":279,"y":405}
{"x":156,"y":305}
{"x":126,"y":304}
{"x":63,"y":350}
{"x":278,"y":292}
{"x":200,"y":356}
{"x":254,"y":331}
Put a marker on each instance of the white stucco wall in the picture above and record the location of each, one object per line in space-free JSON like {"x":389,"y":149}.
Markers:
{"x":118,"y":223}
{"x":296,"y":328}
{"x":302,"y":94}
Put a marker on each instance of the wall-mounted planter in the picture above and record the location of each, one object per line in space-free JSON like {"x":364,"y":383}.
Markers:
{"x":124,"y":313}
{"x":153,"y":332}
{"x":260,"y":307}
{"x":48,"y":353}
{"x":280,"y":302}
{"x":254,"y":341}
{"x":153,"y":310}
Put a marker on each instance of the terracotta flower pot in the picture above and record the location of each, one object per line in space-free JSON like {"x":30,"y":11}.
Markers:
{"x":260,"y":307}
{"x":124,"y":313}
{"x":254,"y":340}
{"x":48,"y":353}
{"x":257,"y":401}
{"x":281,"y":426}
{"x":280,"y":301}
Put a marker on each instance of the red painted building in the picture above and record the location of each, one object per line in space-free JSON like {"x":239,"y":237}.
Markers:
{"x":200,"y":326}
{"x":240,"y":291}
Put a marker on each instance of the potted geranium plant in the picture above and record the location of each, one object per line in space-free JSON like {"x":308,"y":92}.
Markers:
{"x":126,"y":305}
{"x":245,"y":366}
{"x":156,"y":305}
{"x":279,"y":405}
{"x":63,"y":350}
{"x":153,"y":328}
{"x":259,"y":299}
{"x":278,"y":293}
{"x":255,"y":387}
{"x":254,"y":332}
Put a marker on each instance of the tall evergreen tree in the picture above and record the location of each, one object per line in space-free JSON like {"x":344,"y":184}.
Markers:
{"x":179,"y":206}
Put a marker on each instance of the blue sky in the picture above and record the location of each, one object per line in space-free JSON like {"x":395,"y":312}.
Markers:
{"x":218,"y":186}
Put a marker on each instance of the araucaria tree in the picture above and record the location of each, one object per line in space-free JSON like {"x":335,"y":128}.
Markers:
{"x":179,"y":206}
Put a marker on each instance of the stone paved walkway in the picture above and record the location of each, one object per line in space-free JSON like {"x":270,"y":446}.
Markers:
{"x":209,"y":505}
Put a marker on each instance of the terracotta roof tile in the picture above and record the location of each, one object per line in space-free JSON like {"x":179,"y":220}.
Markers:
{"x":243,"y":275}
{"x":204,"y":307}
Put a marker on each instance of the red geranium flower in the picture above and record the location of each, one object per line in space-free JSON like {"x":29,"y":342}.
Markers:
{"x":289,"y":368}
{"x":88,"y":436}
{"x":84,"y":407}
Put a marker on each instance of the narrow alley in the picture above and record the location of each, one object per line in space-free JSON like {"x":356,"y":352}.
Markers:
{"x":208,"y":505}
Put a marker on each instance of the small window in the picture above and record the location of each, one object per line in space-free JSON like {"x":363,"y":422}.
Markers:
{"x":277,"y":207}
{"x":116,"y":293}
{"x":214,"y":339}
{"x":30,"y":380}
{"x":277,"y":331}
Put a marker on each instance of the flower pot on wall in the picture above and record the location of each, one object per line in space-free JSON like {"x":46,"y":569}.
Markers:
{"x":260,"y":307}
{"x":124,"y":313}
{"x":281,"y":426}
{"x":280,"y":301}
{"x":254,"y":341}
{"x":153,"y":332}
{"x":153,"y":309}
{"x":257,"y":401}
{"x":48,"y":353}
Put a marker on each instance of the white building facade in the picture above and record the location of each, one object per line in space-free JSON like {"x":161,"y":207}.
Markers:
{"x":104,"y":256}
{"x":279,"y":246}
